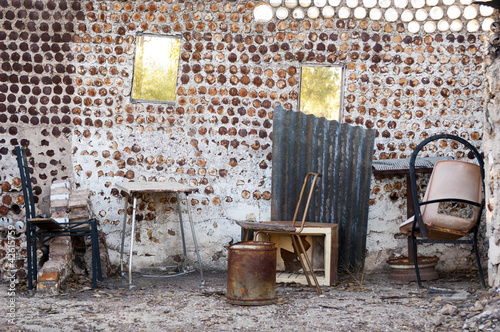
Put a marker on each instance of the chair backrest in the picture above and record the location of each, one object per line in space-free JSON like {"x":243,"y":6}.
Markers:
{"x":29,"y":200}
{"x":314,"y":177}
{"x":451,"y":181}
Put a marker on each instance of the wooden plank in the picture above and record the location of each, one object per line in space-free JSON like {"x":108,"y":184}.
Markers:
{"x":45,"y":223}
{"x":266,"y":227}
{"x":154,"y":187}
{"x":439,"y":233}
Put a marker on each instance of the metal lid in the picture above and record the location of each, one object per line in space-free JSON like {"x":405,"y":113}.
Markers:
{"x":253,"y":245}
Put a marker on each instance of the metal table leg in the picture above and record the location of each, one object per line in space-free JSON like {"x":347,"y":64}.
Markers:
{"x":132,"y":235}
{"x":184,"y":251}
{"x":194,"y":239}
{"x":123,"y":234}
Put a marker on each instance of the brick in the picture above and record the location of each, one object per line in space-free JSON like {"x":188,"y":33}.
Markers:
{"x":79,"y":214}
{"x":44,"y":276}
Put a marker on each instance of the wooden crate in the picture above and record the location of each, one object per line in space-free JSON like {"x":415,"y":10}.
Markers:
{"x":323,"y":253}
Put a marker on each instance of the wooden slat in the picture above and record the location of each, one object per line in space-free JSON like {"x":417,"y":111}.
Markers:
{"x":266,"y":227}
{"x":439,"y":233}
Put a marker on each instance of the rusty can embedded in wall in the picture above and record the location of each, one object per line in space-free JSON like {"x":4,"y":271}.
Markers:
{"x":251,"y":273}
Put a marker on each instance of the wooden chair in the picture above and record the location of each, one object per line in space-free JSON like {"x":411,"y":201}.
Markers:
{"x":452,"y":182}
{"x":48,"y":228}
{"x":292,"y":228}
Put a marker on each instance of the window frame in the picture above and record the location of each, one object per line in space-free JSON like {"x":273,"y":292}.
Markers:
{"x":343,"y":68}
{"x":154,"y":101}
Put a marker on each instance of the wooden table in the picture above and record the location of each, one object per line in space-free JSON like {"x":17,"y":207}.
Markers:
{"x":135,"y":188}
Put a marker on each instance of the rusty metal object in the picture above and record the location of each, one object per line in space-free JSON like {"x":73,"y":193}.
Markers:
{"x":403,"y":269}
{"x":495,"y":40}
{"x":251,"y":275}
{"x":495,"y":27}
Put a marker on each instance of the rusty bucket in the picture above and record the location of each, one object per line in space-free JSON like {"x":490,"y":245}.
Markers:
{"x":404,"y":269}
{"x":251,"y":275}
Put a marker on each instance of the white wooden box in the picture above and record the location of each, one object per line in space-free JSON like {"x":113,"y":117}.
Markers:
{"x":323,"y":253}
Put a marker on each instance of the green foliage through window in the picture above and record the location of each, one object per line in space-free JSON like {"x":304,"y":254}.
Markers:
{"x":321,"y":91}
{"x":155,"y":68}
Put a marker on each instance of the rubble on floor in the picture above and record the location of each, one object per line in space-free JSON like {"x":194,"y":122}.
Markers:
{"x":369,"y":303}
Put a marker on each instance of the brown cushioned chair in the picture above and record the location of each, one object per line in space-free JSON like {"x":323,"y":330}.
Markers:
{"x":451,"y":209}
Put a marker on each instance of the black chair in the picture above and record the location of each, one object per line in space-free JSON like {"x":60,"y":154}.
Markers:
{"x":451,"y":209}
{"x":48,"y":228}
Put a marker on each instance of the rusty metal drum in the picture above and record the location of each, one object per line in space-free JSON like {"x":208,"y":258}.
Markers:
{"x":251,"y":275}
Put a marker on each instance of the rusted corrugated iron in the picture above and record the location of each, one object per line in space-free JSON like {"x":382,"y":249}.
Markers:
{"x":343,"y":154}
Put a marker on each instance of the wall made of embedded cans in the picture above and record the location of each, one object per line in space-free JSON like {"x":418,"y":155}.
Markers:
{"x":492,"y":159}
{"x":65,"y":89}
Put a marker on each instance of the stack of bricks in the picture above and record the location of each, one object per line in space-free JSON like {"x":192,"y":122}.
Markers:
{"x":78,"y":205}
{"x":59,"y":198}
{"x":65,"y":206}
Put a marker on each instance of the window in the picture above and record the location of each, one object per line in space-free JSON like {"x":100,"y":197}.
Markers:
{"x":155,"y":68}
{"x":321,"y":90}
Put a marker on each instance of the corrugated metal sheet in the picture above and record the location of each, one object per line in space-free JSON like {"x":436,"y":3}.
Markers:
{"x":343,"y":154}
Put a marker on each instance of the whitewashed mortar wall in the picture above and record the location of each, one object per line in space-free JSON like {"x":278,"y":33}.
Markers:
{"x":217,"y":136}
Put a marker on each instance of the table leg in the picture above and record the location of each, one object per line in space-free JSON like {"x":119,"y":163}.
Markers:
{"x":184,"y":250}
{"x":194,"y":239}
{"x":410,"y":211}
{"x":132,"y":235}
{"x":123,"y":234}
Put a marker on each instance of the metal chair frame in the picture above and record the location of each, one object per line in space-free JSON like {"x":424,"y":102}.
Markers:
{"x":290,"y":228}
{"x":419,"y":233}
{"x":48,"y":228}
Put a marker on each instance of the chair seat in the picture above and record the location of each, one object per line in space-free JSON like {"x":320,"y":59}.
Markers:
{"x":45,"y":223}
{"x":49,"y":224}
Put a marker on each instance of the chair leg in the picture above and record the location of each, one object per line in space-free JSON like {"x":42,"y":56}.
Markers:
{"x":96,"y":259}
{"x":478,"y":260}
{"x":415,"y":260}
{"x":29,"y":258}
{"x":34,"y":258}
{"x":94,"y":272}
{"x":308,"y":261}
{"x":299,"y":257}
{"x":98,"y":253}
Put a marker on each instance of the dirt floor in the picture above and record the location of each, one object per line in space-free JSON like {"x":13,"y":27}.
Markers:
{"x":356,"y":303}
